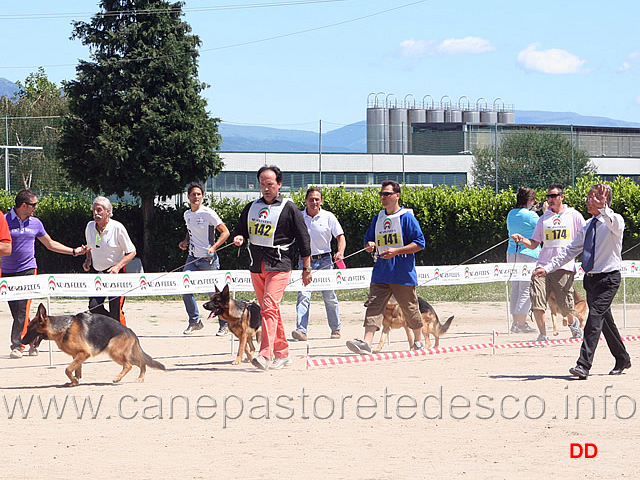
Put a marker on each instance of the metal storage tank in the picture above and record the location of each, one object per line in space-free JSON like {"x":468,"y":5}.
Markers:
{"x":398,"y":130}
{"x":471,"y":116}
{"x":377,"y":130}
{"x":506,"y":117}
{"x":453,"y":116}
{"x":435,"y":116}
{"x":416,"y":115}
{"x":377,"y":126}
{"x":489,"y":117}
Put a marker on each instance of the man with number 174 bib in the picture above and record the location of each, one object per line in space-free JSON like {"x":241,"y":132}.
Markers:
{"x":397,"y":236}
{"x":555,"y":230}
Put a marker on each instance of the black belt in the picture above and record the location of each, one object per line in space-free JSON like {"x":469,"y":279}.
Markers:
{"x":322,"y":255}
{"x":593,"y":274}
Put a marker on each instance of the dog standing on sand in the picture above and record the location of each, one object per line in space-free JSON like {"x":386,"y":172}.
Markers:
{"x":393,"y":318}
{"x":243,"y":317}
{"x":86,"y":335}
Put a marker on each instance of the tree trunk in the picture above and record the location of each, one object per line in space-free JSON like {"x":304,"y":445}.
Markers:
{"x":147,"y":217}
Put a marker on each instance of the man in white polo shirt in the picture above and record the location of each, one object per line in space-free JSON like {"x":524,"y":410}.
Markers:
{"x":322,"y":226}
{"x":111,"y":250}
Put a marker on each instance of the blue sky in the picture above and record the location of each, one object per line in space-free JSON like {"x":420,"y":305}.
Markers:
{"x":291,"y":63}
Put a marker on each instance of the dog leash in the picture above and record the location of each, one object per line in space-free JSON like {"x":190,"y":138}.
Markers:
{"x":629,"y":249}
{"x":207,"y":256}
{"x":330,"y":265}
{"x":467,"y":260}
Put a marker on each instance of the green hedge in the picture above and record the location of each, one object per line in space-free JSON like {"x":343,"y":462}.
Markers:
{"x":457,"y":223}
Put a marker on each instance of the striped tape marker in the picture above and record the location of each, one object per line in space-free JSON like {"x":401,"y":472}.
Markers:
{"x":354,"y":359}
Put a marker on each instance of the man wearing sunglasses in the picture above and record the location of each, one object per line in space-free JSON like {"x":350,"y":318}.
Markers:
{"x":24,"y":229}
{"x":396,"y":235}
{"x":557,"y":227}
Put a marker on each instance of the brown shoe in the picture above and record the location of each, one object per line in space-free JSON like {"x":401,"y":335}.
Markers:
{"x":298,"y":335}
{"x":335,"y":334}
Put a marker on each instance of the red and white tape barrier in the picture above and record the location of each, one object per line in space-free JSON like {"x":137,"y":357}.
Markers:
{"x":352,"y":359}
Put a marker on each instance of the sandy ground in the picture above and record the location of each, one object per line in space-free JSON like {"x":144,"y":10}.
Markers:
{"x":472,"y":414}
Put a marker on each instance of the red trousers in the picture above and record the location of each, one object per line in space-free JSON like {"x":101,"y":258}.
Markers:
{"x":269,"y":288}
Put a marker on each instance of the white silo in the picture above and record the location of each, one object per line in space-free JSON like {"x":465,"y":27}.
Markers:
{"x":377,"y":124}
{"x":398,"y":125}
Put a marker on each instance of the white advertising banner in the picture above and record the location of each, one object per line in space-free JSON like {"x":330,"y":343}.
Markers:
{"x":177,"y":283}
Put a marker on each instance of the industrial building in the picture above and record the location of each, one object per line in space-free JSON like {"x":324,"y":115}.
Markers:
{"x":424,"y":142}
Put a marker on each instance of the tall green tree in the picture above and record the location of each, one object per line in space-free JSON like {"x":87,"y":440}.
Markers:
{"x":530,"y":157}
{"x":138,"y":122}
{"x":32,"y":118}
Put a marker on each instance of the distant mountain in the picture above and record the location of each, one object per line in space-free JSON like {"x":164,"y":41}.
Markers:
{"x":537,"y":117}
{"x":238,"y":138}
{"x":353,"y":138}
{"x":7,"y":88}
{"x":350,"y":138}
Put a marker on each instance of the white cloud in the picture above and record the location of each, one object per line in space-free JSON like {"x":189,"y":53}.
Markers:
{"x":632,"y":60}
{"x":450,"y":46}
{"x":471,"y":45}
{"x":554,"y":60}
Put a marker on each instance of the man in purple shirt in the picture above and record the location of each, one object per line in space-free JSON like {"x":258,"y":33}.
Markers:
{"x":24,"y":229}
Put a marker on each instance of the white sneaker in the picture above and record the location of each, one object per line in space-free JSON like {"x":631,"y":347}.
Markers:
{"x":279,"y":363}
{"x":260,"y":362}
{"x":542,"y":338}
{"x":193,"y":327}
{"x":15,"y":353}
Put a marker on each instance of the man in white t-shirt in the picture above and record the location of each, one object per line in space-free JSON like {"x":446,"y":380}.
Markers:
{"x":111,"y":249}
{"x":202,"y":223}
{"x":555,"y":229}
{"x":322,"y":226}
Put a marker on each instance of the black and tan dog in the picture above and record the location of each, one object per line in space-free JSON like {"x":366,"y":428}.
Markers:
{"x":86,"y":335}
{"x":393,"y":318}
{"x":243,"y":317}
{"x":579,"y":306}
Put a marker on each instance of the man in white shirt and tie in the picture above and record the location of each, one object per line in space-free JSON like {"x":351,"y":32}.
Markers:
{"x":600,"y":241}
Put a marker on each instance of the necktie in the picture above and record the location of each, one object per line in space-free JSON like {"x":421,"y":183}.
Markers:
{"x":589,"y":251}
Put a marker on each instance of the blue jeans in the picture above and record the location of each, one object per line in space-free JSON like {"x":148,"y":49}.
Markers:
{"x":329,"y":296}
{"x":189,"y":299}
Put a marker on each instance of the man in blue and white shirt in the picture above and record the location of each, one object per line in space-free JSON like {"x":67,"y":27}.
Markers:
{"x":397,"y":236}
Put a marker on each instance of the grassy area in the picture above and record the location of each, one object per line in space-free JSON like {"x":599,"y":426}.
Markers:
{"x":480,"y":292}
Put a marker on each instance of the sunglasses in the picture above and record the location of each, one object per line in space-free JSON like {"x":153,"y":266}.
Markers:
{"x":553,"y":195}
{"x":34,"y":204}
{"x":387,"y":194}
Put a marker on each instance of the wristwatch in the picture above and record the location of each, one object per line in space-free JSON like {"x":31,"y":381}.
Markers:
{"x":308,"y":269}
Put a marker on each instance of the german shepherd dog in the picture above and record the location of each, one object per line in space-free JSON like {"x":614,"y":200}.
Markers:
{"x":579,"y":307}
{"x":86,"y":335}
{"x":244,"y":318}
{"x":393,"y":318}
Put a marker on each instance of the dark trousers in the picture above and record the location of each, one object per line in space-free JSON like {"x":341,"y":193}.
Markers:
{"x":601,"y":288}
{"x":19,"y":312}
{"x":96,"y":304}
